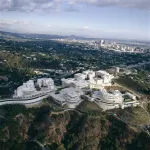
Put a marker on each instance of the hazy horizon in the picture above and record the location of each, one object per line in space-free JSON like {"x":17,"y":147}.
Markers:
{"x":117,"y":19}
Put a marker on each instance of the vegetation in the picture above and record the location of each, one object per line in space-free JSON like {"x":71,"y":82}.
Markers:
{"x":138,"y":82}
{"x":21,"y":127}
{"x":90,"y":128}
{"x":19,"y":60}
{"x":86,"y":106}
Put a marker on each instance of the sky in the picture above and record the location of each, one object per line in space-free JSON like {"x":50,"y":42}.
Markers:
{"x":119,"y":19}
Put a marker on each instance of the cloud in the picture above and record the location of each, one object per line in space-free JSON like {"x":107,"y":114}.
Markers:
{"x":72,"y":9}
{"x":139,"y":4}
{"x":70,"y":5}
{"x":85,"y":27}
{"x":24,"y":26}
{"x":49,"y":26}
{"x":29,"y":5}
{"x":15,"y":22}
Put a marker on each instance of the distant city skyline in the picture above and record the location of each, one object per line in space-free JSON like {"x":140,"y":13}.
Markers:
{"x":119,"y":19}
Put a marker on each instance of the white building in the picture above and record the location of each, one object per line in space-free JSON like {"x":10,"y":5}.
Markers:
{"x":108,"y":100}
{"x":46,"y":82}
{"x":80,"y":76}
{"x":117,"y":69}
{"x":27,"y":94}
{"x":96,"y":83}
{"x":114,"y":99}
{"x":89,"y":74}
{"x":130,"y":104}
{"x":130,"y":95}
{"x":107,"y":78}
{"x":89,"y":79}
{"x":99,"y":79}
{"x":72,"y":82}
{"x":28,"y":89}
{"x":68,"y":96}
{"x":102,"y":43}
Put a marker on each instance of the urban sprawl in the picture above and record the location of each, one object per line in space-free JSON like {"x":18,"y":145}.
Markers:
{"x":110,"y":45}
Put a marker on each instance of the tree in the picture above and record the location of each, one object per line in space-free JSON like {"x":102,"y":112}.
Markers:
{"x":61,"y":147}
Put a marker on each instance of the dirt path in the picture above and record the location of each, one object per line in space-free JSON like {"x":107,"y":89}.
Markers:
{"x":63,"y":111}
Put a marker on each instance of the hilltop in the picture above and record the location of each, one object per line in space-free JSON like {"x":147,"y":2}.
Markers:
{"x":23,"y":128}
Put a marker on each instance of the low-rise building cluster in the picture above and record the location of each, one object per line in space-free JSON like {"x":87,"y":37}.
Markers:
{"x":114,"y":99}
{"x":31,"y":92}
{"x":107,"y":44}
{"x":69,"y":96}
{"x":31,"y":89}
{"x":89,"y":79}
{"x":120,"y":47}
{"x":73,"y":91}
